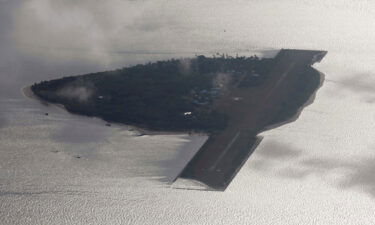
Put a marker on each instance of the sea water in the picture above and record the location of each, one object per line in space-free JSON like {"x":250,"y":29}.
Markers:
{"x":67,"y":169}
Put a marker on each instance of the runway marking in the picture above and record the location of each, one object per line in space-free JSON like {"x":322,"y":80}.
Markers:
{"x":282,"y":77}
{"x":225,"y":151}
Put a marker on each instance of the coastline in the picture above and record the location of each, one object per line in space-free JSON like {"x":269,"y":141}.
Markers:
{"x":209,"y":166}
{"x":28,"y":93}
{"x":300,"y":109}
{"x":139,"y":131}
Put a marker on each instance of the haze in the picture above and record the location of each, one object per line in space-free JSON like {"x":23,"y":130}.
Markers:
{"x":317,"y":170}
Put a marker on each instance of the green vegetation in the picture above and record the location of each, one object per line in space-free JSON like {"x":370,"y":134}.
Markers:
{"x":175,"y":95}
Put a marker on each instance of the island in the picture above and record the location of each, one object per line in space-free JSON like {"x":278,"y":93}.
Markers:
{"x":232,"y":99}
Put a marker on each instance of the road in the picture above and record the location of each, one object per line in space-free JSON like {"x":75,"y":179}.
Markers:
{"x":224,"y":153}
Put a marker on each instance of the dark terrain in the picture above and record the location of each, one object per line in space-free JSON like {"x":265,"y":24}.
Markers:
{"x":173,"y":95}
{"x":289,"y":85}
{"x":230,"y":98}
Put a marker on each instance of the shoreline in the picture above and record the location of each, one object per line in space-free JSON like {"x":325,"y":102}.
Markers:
{"x":292,"y":119}
{"x":209,"y":166}
{"x":28,"y":93}
{"x":300,"y":109}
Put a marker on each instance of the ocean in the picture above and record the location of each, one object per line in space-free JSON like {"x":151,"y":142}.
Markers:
{"x":70,"y":169}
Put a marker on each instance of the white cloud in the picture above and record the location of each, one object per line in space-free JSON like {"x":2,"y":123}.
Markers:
{"x":81,"y":94}
{"x":101,"y":29}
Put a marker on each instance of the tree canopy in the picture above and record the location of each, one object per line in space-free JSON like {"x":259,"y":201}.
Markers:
{"x":176,"y":94}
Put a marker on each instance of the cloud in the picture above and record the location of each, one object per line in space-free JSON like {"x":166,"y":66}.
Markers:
{"x":359,"y":84}
{"x":80,"y":91}
{"x":185,"y":65}
{"x":222,"y":81}
{"x":355,"y":174}
{"x":97,"y":29}
{"x":361,"y":176}
{"x":269,"y":152}
{"x":104,"y":26}
{"x":81,"y":94}
{"x":277,"y":150}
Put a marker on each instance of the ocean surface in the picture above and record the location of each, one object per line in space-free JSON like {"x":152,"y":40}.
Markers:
{"x":69,"y":169}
